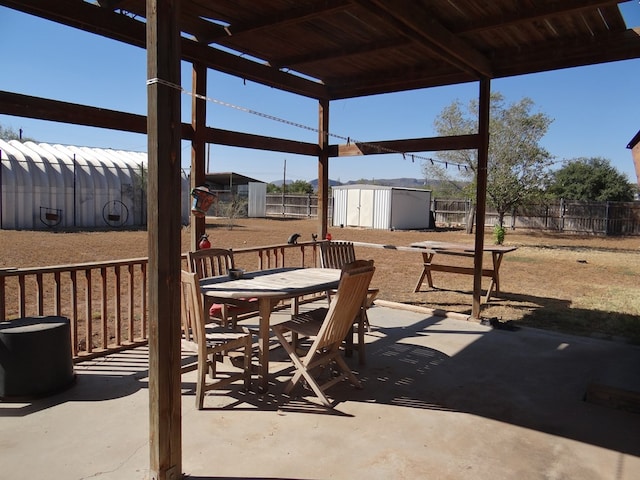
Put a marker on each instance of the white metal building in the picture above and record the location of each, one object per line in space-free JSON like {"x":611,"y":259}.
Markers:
{"x":45,"y":186}
{"x":381,"y":207}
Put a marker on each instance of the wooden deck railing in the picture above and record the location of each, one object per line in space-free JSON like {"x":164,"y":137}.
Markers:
{"x":106,"y":302}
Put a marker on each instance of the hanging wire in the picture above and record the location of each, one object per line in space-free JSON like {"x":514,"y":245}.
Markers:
{"x":346,"y":139}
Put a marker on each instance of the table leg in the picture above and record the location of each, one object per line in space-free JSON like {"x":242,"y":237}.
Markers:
{"x":426,"y":271}
{"x":495,"y":278}
{"x":263,"y":344}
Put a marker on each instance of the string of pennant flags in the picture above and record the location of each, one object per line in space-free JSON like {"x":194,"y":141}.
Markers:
{"x":346,"y":139}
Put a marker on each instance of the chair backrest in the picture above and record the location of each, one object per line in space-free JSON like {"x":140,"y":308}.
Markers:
{"x":193,"y":325}
{"x":346,"y":304}
{"x":210,"y":262}
{"x":336,"y":254}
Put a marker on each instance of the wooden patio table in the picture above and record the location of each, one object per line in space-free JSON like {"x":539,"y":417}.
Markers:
{"x":431,"y":248}
{"x":269,"y":287}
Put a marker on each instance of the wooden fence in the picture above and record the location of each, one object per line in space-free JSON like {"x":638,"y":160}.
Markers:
{"x":566,"y":216}
{"x":300,"y":206}
{"x":106,"y":302}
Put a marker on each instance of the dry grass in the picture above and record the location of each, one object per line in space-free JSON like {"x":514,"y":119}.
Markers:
{"x":583,"y":285}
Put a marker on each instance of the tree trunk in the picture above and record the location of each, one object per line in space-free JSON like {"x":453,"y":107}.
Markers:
{"x":471,"y":218}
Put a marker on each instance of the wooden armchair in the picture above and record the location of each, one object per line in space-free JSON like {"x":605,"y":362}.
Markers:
{"x":337,"y":255}
{"x":327,"y":328}
{"x":211,"y":262}
{"x":211,"y":342}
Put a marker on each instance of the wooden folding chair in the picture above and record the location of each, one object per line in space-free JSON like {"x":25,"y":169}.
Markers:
{"x":211,"y":342}
{"x":211,"y":262}
{"x":337,"y":255}
{"x":327,"y":328}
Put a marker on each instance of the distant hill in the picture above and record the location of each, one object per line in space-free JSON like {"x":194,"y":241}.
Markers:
{"x":332,"y":183}
{"x":391,"y":182}
{"x":387,"y":182}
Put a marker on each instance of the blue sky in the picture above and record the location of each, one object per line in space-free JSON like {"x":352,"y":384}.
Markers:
{"x":594,"y":109}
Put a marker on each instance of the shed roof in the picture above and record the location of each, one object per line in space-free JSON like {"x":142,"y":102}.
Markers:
{"x":634,"y":141}
{"x":228,"y":178}
{"x":362,"y":186}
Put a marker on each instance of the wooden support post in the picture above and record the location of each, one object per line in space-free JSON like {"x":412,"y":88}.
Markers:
{"x":323,"y":167}
{"x":198,"y":145}
{"x":163,"y":225}
{"x":481,"y":191}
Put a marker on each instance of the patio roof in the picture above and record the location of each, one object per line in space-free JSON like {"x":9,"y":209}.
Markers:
{"x":347,"y":48}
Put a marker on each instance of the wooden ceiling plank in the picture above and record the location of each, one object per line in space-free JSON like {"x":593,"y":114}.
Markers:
{"x":528,"y":15}
{"x":436,"y":36}
{"x":554,"y":55}
{"x":339,"y":53}
{"x":280,"y":19}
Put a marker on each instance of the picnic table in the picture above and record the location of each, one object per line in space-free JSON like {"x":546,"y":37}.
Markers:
{"x":431,"y":248}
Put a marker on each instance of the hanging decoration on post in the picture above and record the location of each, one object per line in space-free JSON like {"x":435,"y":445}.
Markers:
{"x":202,"y":200}
{"x":204,"y":242}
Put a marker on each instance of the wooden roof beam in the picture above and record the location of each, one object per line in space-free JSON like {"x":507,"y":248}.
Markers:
{"x":431,"y":144}
{"x":396,"y":80}
{"x":424,"y":28}
{"x":87,"y":17}
{"x":26,"y":106}
{"x":291,"y":16}
{"x":101,"y":21}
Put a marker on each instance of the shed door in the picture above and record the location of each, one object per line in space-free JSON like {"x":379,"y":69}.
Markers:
{"x":366,"y":208}
{"x":353,"y":207}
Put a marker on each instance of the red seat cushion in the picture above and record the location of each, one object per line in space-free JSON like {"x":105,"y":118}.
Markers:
{"x":216,"y":308}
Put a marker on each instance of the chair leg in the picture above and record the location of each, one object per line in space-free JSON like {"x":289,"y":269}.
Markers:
{"x":361,"y":331}
{"x":247,"y":363}
{"x":203,"y":366}
{"x":301,"y":369}
{"x":347,"y":371}
{"x":348,"y":348}
{"x":363,"y":327}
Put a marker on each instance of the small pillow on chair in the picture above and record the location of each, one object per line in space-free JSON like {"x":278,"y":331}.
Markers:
{"x":216,"y":308}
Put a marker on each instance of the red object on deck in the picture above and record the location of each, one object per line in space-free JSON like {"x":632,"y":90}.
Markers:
{"x":204,"y":242}
{"x":328,"y":237}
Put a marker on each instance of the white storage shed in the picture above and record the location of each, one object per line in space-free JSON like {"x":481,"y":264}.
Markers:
{"x":381,"y":207}
{"x":45,"y":186}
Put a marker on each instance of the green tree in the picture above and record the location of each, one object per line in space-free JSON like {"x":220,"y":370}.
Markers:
{"x":517,"y":164}
{"x":300,"y":186}
{"x":592,"y":179}
{"x":273,"y":188}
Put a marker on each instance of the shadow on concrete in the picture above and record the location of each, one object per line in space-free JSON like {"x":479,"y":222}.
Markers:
{"x":530,"y":378}
{"x":123,"y":374}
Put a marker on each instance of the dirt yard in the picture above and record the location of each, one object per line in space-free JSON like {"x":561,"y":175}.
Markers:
{"x":583,"y":285}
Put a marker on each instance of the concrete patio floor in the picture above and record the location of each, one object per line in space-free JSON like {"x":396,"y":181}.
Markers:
{"x":443,"y":398}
